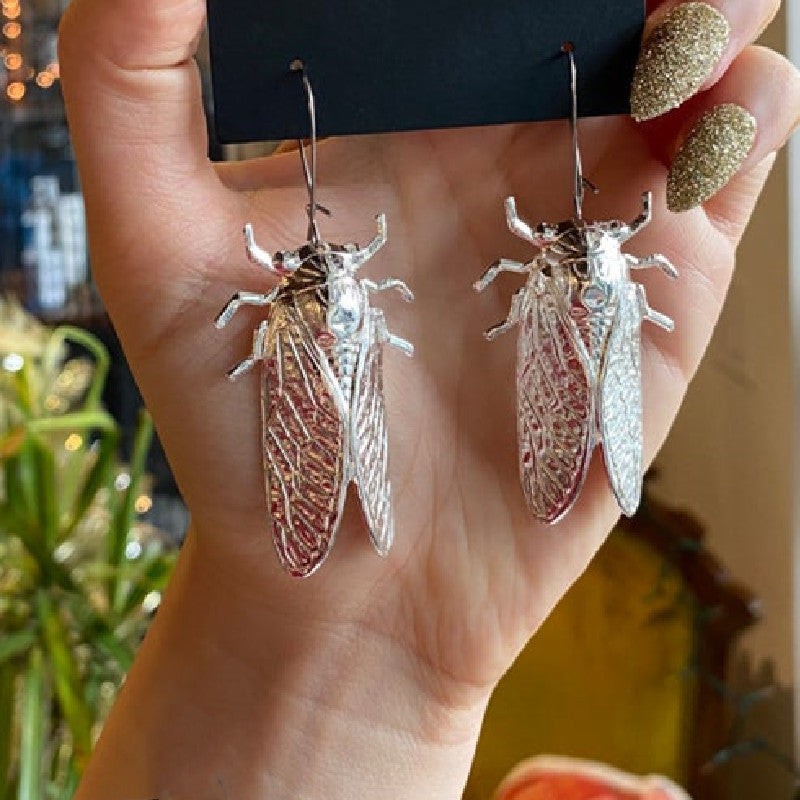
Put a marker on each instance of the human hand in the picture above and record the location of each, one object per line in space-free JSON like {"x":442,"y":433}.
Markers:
{"x":471,"y":576}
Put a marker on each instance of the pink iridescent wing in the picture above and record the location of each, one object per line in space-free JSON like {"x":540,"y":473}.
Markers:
{"x":555,"y":399}
{"x":369,"y":437}
{"x":304,"y":434}
{"x":621,"y":402}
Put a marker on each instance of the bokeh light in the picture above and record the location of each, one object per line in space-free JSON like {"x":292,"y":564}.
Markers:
{"x":15,"y":90}
{"x":12,"y":30}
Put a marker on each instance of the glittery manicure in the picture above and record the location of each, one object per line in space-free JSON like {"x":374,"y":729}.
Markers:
{"x":710,"y":156}
{"x":677,"y":58}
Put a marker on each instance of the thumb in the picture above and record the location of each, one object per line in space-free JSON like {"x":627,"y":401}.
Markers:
{"x":133,"y":97}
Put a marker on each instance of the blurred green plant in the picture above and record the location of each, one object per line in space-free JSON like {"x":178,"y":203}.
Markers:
{"x":80,"y":573}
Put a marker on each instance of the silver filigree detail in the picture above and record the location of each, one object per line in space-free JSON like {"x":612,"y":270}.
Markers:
{"x":324,"y":418}
{"x":579,"y":357}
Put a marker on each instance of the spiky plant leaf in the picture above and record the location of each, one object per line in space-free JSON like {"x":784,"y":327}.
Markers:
{"x":33,"y":729}
{"x":67,"y":680}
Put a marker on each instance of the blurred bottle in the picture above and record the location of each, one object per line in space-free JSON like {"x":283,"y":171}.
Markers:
{"x":42,"y":257}
{"x":71,"y":237}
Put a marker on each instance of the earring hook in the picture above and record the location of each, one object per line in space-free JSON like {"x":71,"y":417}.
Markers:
{"x":310,"y":169}
{"x":581,"y":183}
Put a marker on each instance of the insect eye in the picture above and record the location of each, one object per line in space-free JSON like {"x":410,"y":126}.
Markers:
{"x":594,"y":298}
{"x":581,"y":268}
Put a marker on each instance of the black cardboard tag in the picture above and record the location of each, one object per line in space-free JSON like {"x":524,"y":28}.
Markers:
{"x":396,"y":65}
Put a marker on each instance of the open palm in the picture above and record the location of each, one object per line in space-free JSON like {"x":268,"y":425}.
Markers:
{"x":471,"y":575}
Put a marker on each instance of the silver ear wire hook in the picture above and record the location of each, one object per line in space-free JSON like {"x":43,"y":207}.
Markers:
{"x":310,"y":170}
{"x":580,"y":182}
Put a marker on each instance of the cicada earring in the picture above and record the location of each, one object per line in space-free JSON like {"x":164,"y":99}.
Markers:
{"x":579,"y":382}
{"x":323,"y":413}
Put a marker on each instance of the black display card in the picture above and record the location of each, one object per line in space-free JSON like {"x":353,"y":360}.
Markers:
{"x":391,"y":65}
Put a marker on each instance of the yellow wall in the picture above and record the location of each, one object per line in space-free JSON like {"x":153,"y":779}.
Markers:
{"x":607,"y":677}
{"x":729,"y":457}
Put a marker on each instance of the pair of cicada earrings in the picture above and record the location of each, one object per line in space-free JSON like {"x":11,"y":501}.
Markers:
{"x":323,"y":410}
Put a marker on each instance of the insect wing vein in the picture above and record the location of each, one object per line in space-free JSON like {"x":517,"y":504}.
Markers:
{"x":369,"y":436}
{"x":621,"y":402}
{"x":304,"y":433}
{"x":555,"y":403}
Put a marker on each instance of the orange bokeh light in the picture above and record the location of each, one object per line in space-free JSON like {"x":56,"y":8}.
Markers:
{"x":15,"y":90}
{"x":44,"y":79}
{"x":13,"y":61}
{"x":12,"y":30}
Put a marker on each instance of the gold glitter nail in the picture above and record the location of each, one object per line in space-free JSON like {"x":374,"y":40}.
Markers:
{"x":677,"y":58}
{"x":710,"y":156}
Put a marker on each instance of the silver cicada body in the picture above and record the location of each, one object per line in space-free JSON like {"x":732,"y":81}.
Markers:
{"x":323,"y":411}
{"x":579,"y":381}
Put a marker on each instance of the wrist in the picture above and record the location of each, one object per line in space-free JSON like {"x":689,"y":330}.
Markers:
{"x":279,"y":701}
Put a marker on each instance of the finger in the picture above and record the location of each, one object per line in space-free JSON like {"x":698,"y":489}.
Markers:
{"x":747,"y":20}
{"x":134,"y":104}
{"x":729,"y":130}
{"x":687,"y":48}
{"x":279,"y":169}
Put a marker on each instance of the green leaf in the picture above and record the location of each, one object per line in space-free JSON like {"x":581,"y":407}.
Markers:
{"x":79,"y":420}
{"x":21,"y":481}
{"x":113,"y":646}
{"x":47,"y":503}
{"x":126,"y":510}
{"x":70,"y":785}
{"x":8,"y":675}
{"x":33,"y":729}
{"x":15,"y":644}
{"x":29,"y":534}
{"x":24,"y":392}
{"x":95,"y":629}
{"x":95,"y":347}
{"x":98,"y":477}
{"x":152,"y":576}
{"x":68,"y":684}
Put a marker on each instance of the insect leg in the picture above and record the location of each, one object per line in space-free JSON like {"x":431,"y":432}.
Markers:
{"x":389,"y":283}
{"x":655,"y":260}
{"x":244,"y":299}
{"x":662,"y":320}
{"x":400,"y":344}
{"x":503,"y":265}
{"x":259,"y":340}
{"x":359,"y":257}
{"x":642,"y":221}
{"x":383,"y":334}
{"x":256,"y":254}
{"x":541,"y":236}
{"x":516,"y":224}
{"x":511,"y":320}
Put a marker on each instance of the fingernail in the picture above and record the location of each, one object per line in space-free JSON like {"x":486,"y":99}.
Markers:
{"x":711,"y":155}
{"x":677,"y":58}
